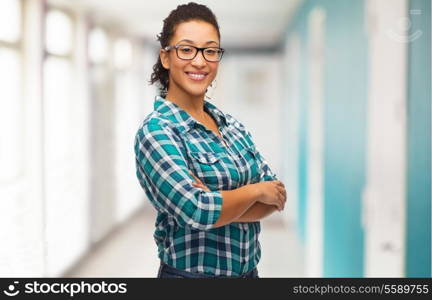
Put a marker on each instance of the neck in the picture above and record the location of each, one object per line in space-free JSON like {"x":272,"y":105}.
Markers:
{"x":193,"y":105}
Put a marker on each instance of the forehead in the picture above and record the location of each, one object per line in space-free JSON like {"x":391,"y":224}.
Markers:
{"x":199,"y":32}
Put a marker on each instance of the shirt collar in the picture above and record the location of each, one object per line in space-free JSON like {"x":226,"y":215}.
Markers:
{"x":175,"y":114}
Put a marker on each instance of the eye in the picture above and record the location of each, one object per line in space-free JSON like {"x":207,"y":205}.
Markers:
{"x":186,"y":49}
{"x":211,"y":51}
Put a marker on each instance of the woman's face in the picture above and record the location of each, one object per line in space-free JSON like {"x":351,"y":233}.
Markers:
{"x":191,"y":77}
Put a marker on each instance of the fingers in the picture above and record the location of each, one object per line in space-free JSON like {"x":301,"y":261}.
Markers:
{"x":282,"y":196}
{"x":280,"y":200}
{"x":198,"y":182}
{"x":201,"y":186}
{"x":196,"y":178}
{"x":276,"y":194}
{"x":278,"y":205}
{"x":283,"y":192}
{"x":193,"y":175}
{"x":283,"y":200}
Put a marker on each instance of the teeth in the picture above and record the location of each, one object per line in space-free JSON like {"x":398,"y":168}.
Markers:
{"x":196,"y":76}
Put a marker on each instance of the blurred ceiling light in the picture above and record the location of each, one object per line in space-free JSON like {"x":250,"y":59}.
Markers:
{"x":58,"y":33}
{"x":98,"y":46}
{"x":10,"y":20}
{"x":123,"y":54}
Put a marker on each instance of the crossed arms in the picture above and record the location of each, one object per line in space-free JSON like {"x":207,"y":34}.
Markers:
{"x":163,"y":173}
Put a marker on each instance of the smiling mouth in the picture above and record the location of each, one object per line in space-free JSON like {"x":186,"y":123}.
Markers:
{"x":197,"y":76}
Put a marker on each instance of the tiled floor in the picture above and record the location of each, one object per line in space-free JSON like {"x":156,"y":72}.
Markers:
{"x":131,"y":252}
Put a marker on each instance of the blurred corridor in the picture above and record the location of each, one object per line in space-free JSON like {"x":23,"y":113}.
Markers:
{"x":336,"y":93}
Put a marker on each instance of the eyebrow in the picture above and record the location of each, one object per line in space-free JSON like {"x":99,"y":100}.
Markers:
{"x":192,"y":42}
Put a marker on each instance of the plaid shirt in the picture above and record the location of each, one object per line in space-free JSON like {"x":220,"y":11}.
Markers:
{"x":168,"y":144}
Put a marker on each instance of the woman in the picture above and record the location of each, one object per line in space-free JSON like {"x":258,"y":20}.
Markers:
{"x":198,"y":166}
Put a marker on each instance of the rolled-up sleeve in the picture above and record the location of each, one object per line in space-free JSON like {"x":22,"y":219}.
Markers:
{"x":163,"y":173}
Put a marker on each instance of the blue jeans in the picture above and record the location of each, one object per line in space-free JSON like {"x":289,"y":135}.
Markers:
{"x":166,"y":271}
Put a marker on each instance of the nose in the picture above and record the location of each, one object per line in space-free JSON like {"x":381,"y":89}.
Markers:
{"x":199,"y":59}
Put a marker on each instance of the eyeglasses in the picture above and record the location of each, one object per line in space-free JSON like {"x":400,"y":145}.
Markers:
{"x":187,"y":52}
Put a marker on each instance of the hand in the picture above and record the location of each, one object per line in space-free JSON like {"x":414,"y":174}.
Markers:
{"x":272,"y":193}
{"x":199,"y":183}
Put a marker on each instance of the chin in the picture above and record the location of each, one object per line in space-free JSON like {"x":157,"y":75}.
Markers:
{"x":196,"y":92}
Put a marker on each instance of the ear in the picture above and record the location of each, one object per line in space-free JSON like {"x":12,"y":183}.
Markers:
{"x":164,"y":57}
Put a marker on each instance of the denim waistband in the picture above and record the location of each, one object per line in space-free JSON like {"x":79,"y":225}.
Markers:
{"x":164,"y":268}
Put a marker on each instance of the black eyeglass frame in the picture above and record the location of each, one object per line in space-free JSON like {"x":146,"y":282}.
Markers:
{"x":176,"y":47}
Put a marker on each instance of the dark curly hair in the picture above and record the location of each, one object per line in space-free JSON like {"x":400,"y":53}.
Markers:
{"x":183,"y":13}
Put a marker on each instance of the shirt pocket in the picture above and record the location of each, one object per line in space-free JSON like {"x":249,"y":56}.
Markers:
{"x":208,"y":167}
{"x":249,"y":165}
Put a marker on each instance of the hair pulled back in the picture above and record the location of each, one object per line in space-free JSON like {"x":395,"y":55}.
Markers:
{"x":183,"y":13}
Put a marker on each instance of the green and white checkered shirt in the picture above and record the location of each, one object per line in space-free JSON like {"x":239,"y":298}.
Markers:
{"x":169,"y":144}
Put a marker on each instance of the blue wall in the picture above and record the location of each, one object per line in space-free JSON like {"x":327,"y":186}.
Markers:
{"x":418,"y":239}
{"x":345,"y":138}
{"x":345,"y":98}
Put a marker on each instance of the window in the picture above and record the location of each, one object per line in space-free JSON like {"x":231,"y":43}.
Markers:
{"x":57,"y":86}
{"x":123,"y":54}
{"x":58,"y":33}
{"x":11,"y":130}
{"x":98,"y":46}
{"x":62,"y":191}
{"x":10,"y":21}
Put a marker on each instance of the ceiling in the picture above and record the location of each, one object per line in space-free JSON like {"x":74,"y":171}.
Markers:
{"x":243,"y":23}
